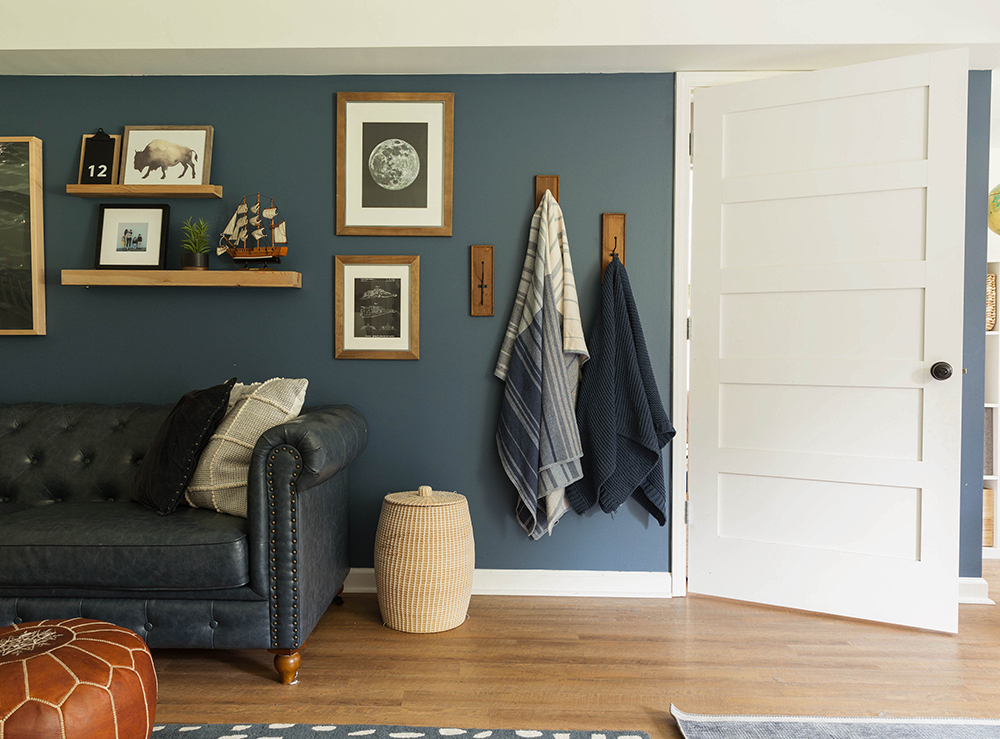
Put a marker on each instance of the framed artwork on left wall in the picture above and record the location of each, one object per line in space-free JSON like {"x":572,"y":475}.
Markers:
{"x":22,"y":243}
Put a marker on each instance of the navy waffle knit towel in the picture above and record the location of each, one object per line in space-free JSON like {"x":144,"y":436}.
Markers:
{"x":623,"y":426}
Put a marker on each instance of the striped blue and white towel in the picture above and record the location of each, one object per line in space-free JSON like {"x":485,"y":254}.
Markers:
{"x":540,"y":361}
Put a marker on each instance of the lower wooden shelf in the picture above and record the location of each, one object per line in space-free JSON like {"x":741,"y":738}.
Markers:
{"x":182,"y":278}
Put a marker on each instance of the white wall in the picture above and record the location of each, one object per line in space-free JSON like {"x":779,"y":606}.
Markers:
{"x":992,"y":239}
{"x":511,"y":35}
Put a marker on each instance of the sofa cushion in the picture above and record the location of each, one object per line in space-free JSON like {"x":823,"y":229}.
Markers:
{"x":220,"y":480}
{"x":171,"y":458}
{"x":122,"y":546}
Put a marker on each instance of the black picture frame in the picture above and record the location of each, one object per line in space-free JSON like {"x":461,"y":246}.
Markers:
{"x":132,"y":236}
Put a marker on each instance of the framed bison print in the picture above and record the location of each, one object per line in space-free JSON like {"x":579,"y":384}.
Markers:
{"x":394,"y":163}
{"x":132,"y":236}
{"x":22,"y":258}
{"x":166,"y":155}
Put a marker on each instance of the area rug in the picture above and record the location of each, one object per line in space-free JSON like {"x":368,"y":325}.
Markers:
{"x":342,"y":731}
{"x":695,"y":726}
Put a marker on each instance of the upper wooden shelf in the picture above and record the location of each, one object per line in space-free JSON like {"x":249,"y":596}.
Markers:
{"x":182,"y":277}
{"x":145,"y":191}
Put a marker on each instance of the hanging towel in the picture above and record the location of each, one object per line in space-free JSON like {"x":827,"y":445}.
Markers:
{"x":622,"y":423}
{"x":540,"y":361}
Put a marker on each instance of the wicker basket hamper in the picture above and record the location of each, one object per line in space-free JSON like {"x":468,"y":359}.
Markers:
{"x":424,"y":559}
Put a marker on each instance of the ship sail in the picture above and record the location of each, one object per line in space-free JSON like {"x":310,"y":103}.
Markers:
{"x":266,"y":227}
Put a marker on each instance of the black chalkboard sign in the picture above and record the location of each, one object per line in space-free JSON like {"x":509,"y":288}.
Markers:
{"x":99,"y":154}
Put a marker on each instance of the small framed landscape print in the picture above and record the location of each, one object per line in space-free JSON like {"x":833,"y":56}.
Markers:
{"x":132,"y":236}
{"x":394,"y":163}
{"x":167,"y":155}
{"x":377,"y":307}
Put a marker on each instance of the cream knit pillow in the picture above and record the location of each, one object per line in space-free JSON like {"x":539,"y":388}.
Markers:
{"x":220,"y":480}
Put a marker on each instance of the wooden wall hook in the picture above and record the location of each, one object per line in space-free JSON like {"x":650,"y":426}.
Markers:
{"x":545,"y":182}
{"x":481,"y":293}
{"x":612,"y":239}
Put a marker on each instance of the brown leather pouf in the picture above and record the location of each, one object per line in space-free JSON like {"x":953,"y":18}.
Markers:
{"x":75,"y":679}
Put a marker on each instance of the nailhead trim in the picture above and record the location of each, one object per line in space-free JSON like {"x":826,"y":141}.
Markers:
{"x":272,"y":520}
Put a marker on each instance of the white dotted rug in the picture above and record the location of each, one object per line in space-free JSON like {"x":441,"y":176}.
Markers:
{"x":342,"y":731}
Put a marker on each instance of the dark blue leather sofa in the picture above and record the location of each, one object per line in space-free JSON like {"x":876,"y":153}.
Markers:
{"x":72,"y":542}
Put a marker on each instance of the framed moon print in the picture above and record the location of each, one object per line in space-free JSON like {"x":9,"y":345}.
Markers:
{"x":394,"y":163}
{"x":22,"y":245}
{"x":377,"y":307}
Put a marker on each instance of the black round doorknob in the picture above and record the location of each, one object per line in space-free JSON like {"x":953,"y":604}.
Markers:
{"x":941,"y":370}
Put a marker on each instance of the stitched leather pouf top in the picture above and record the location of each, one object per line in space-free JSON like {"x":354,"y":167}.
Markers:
{"x":76,"y":679}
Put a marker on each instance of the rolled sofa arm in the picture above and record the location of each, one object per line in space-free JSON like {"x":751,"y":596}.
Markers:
{"x":297,"y":516}
{"x":328,"y":438}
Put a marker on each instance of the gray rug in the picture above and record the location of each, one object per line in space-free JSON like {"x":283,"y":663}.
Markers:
{"x":695,"y":726}
{"x":354,"y":731}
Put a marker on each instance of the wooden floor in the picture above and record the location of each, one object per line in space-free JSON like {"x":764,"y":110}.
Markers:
{"x":585,"y":663}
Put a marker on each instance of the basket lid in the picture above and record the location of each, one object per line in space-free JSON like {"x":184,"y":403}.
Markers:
{"x":424,"y":497}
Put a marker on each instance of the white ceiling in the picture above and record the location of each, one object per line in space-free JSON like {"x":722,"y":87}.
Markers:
{"x":469,"y":36}
{"x":453,"y":60}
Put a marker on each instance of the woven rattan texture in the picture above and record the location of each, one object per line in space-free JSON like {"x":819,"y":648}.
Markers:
{"x":424,"y":560}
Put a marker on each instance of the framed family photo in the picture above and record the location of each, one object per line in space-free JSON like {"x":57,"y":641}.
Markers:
{"x":377,"y":307}
{"x":395,"y":155}
{"x":166,"y":155}
{"x":132,"y":236}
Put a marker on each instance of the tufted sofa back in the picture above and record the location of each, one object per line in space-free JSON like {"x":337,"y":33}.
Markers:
{"x":72,"y":453}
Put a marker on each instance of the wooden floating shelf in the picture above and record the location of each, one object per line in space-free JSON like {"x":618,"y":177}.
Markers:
{"x":145,"y":191}
{"x":182,"y":278}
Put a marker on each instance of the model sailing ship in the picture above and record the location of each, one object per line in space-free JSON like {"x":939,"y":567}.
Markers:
{"x":255,"y":235}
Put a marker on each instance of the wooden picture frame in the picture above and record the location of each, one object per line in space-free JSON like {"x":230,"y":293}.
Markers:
{"x":113,"y":165}
{"x":184,"y":156}
{"x":22,"y":241}
{"x":132,"y":236}
{"x":377,"y":307}
{"x":395,"y":153}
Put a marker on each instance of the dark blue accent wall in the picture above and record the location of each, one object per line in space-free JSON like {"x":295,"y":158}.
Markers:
{"x":974,"y":360}
{"x":609,"y":137}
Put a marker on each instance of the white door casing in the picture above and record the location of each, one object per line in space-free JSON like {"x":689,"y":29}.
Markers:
{"x":827,"y":269}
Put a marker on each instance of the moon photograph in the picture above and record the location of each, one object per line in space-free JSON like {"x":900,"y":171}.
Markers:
{"x":395,"y":156}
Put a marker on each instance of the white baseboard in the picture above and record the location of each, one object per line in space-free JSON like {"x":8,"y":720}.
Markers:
{"x":578,"y":583}
{"x":600,"y":584}
{"x":974,"y":590}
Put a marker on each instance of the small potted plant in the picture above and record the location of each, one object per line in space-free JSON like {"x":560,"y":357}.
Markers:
{"x":194,"y":244}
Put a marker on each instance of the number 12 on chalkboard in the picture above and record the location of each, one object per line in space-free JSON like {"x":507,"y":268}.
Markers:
{"x":99,"y":156}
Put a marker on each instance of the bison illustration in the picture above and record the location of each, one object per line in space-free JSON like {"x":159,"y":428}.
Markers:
{"x":160,"y":154}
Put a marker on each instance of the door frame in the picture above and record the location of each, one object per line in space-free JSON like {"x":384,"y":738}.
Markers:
{"x":684,"y":84}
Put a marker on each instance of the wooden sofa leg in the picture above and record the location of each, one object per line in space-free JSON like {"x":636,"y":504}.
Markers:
{"x":286,"y":662}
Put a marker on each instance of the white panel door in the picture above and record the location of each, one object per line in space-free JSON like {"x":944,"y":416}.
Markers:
{"x":827,"y":268}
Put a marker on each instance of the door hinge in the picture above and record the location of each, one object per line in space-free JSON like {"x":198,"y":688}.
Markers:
{"x":687,"y":505}
{"x":691,"y":145}
{"x":689,"y":327}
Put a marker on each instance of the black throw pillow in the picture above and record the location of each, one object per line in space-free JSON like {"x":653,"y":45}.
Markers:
{"x":171,"y":459}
